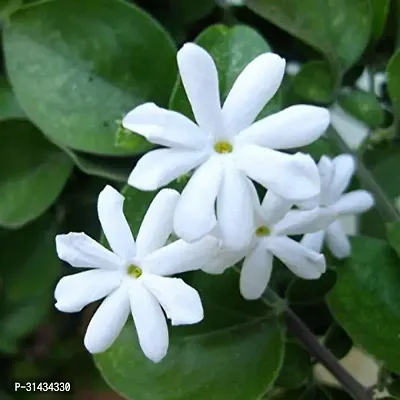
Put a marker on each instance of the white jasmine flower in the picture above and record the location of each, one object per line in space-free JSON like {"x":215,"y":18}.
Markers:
{"x":274,"y":222}
{"x":226,"y":147}
{"x":132,"y":276}
{"x":335,"y":178}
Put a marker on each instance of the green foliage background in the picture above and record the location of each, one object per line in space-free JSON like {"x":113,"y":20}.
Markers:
{"x":70,"y":70}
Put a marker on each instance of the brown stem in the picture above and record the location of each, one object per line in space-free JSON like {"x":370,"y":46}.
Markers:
{"x":297,"y":327}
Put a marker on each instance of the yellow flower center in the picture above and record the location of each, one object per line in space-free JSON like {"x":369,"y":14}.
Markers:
{"x":263,"y":231}
{"x":134,"y":271}
{"x":223,"y":147}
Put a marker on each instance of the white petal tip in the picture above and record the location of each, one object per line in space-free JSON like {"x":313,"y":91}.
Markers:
{"x":189,"y":47}
{"x":110,"y":191}
{"x":306,"y":164}
{"x":62,"y":308}
{"x":140,"y":182}
{"x":195,"y":319}
{"x":212,"y":271}
{"x":157,"y":355}
{"x":371,"y":199}
{"x":94,"y":347}
{"x":191,"y":235}
{"x":65,"y":242}
{"x":342,"y":256}
{"x":249,"y":297}
{"x":171,"y":193}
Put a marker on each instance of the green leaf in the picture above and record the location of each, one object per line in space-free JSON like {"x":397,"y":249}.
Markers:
{"x":322,"y":146}
{"x":315,"y":82}
{"x":363,"y":106}
{"x":381,"y":161}
{"x":366,"y":298}
{"x":8,"y":6}
{"x":28,"y":260}
{"x":393,"y":81}
{"x":297,"y":367}
{"x":340,"y":29}
{"x":393,"y":235}
{"x":338,"y":341}
{"x":32,"y":173}
{"x":235,"y":336}
{"x":379,"y":9}
{"x":20,"y":321}
{"x":201,"y":359}
{"x":29,"y":268}
{"x":113,"y":168}
{"x":89,"y":63}
{"x":232,"y":49}
{"x":191,"y":11}
{"x":9,"y":107}
{"x":127,"y":140}
{"x":301,"y":291}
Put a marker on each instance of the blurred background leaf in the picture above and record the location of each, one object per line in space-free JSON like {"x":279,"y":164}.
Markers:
{"x":32,"y":173}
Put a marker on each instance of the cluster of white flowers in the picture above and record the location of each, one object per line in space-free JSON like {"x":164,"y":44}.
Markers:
{"x":218,"y":216}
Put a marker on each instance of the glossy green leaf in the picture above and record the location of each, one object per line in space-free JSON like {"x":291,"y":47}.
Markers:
{"x":235,"y":336}
{"x":203,"y":358}
{"x":8,"y":6}
{"x":240,"y":43}
{"x":32,"y":173}
{"x":380,"y":9}
{"x":89,"y":63}
{"x":112,"y":168}
{"x":363,"y":106}
{"x":366,"y":298}
{"x":9,"y":107}
{"x":340,"y":29}
{"x":393,"y":81}
{"x":315,"y":82}
{"x":393,"y":235}
{"x":296,"y":368}
{"x":125,"y":139}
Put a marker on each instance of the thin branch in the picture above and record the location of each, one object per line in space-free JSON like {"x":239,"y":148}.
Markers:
{"x":325,"y":357}
{"x":297,"y":327}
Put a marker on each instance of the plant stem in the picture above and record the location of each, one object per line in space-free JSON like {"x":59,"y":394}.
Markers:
{"x":385,"y":207}
{"x":297,"y":327}
{"x":325,"y":357}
